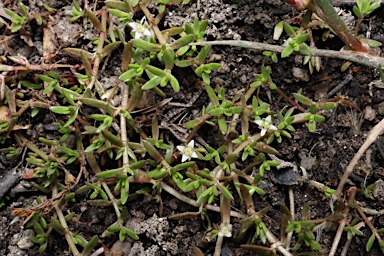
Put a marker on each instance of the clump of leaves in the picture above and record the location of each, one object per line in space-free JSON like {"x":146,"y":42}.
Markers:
{"x":17,"y":20}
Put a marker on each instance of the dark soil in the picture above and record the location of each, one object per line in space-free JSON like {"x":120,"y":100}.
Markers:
{"x":325,"y":153}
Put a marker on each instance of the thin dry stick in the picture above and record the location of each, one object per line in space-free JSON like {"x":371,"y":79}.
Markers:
{"x":31,"y":67}
{"x":123,"y":127}
{"x":338,"y":87}
{"x":345,"y":2}
{"x":151,"y":20}
{"x":372,"y":135}
{"x":365,"y":59}
{"x":292,"y":102}
{"x":369,"y":224}
{"x":348,"y":243}
{"x":292,"y":209}
{"x":97,"y":61}
{"x":342,"y":223}
{"x":63,"y":222}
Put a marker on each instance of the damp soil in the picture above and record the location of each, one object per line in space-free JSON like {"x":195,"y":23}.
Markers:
{"x":324,"y":153}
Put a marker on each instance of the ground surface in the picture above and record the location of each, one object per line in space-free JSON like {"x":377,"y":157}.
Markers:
{"x":325,"y":153}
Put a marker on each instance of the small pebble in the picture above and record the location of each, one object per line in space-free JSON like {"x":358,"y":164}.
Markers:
{"x":380,"y":108}
{"x":308,"y":162}
{"x":243,"y":79}
{"x":121,"y":248}
{"x":5,"y":113}
{"x":369,"y":113}
{"x":224,"y":68}
{"x":300,"y":74}
{"x":215,"y":57}
{"x":378,"y":191}
{"x":285,"y":176}
{"x":25,"y":242}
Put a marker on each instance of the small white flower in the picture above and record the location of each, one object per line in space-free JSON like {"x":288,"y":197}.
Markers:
{"x":225,"y":230}
{"x":141,"y":30}
{"x":188,"y":151}
{"x":265,"y":125}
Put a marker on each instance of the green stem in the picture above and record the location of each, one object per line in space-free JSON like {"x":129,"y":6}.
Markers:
{"x":243,"y":145}
{"x":357,"y":26}
{"x":249,"y":93}
{"x":201,"y":121}
{"x":32,"y":146}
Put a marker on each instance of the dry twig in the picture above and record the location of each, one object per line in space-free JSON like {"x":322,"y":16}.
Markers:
{"x":365,"y":59}
{"x":372,"y":136}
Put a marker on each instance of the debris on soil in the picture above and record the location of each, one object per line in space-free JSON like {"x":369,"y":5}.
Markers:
{"x":25,"y":241}
{"x":308,"y":163}
{"x":158,"y":230}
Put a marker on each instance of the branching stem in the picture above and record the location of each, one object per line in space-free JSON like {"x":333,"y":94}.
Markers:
{"x":365,"y":59}
{"x":100,"y":45}
{"x":63,"y":222}
{"x":342,"y":223}
{"x":369,"y":224}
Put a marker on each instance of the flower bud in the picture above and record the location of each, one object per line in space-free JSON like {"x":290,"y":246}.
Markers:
{"x":298,"y":4}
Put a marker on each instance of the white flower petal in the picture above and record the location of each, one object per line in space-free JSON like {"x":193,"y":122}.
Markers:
{"x":269,"y":119}
{"x":191,"y":144}
{"x":184,"y":158}
{"x":194,"y":155}
{"x":181,"y":148}
{"x":137,"y":35}
{"x":272,"y":127}
{"x":259,"y":122}
{"x":225,"y":230}
{"x":263,"y":132}
{"x":147,"y":32}
{"x":133,"y":25}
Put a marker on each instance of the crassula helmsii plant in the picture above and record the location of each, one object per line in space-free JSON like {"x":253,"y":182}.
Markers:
{"x":245,"y":127}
